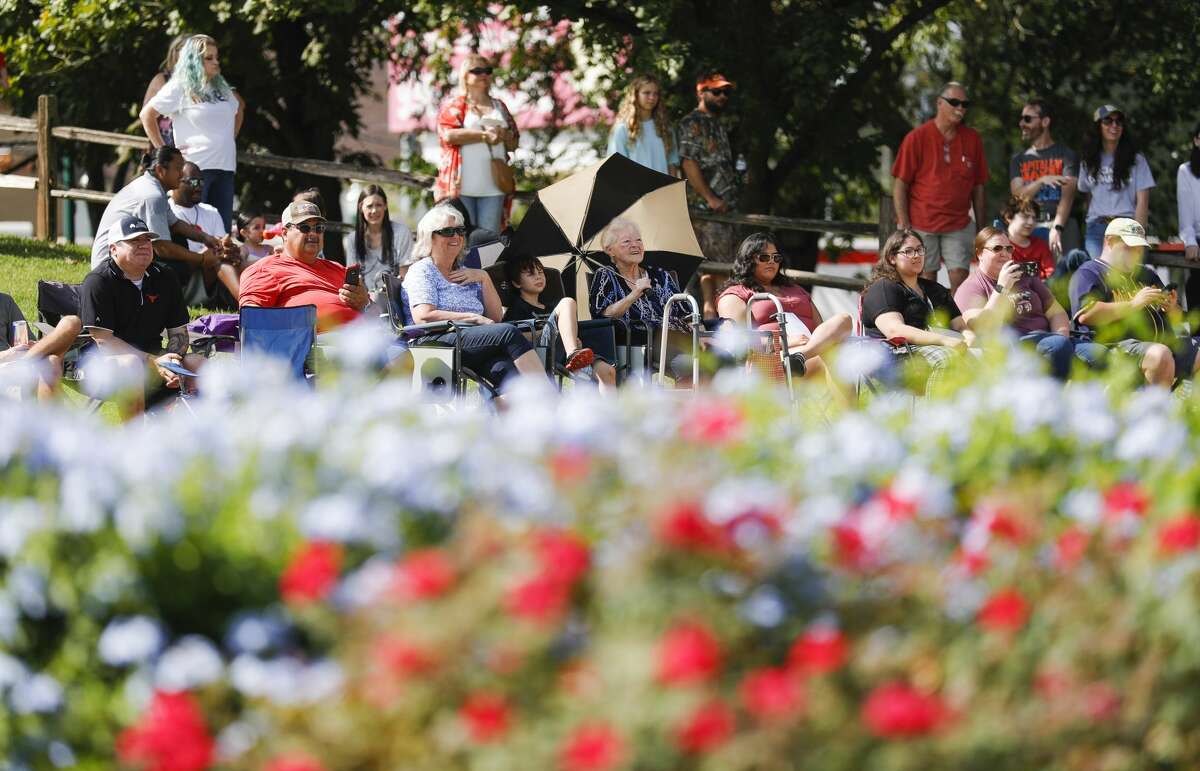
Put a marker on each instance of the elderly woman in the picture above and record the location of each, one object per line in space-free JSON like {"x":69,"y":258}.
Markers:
{"x":629,"y":291}
{"x":474,"y":129}
{"x":758,"y":267}
{"x":206,"y":116}
{"x":898,"y":302}
{"x":1009,"y":293}
{"x":439,"y":288}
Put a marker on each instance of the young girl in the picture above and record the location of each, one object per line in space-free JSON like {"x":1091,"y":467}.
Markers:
{"x":1020,"y":217}
{"x":528,"y":277}
{"x":250,"y":226}
{"x":641,"y":131}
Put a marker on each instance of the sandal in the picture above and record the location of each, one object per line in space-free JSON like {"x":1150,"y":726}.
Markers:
{"x":798,"y":363}
{"x":582,"y":357}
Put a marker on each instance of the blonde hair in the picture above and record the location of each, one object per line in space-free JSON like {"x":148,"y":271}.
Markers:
{"x":627,"y":113}
{"x":189,"y":71}
{"x":441,"y":216}
{"x":469,"y":62}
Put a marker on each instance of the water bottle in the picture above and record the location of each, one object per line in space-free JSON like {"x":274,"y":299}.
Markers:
{"x":740,"y":167}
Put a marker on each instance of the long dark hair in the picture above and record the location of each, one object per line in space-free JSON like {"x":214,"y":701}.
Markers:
{"x":1194,"y":162}
{"x":884,"y":270}
{"x":1123,"y":159}
{"x":360,"y":228}
{"x":742,"y":273}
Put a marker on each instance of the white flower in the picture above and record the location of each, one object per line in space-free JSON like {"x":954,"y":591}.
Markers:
{"x":1152,"y":437}
{"x":1084,"y":505}
{"x":764,"y":607}
{"x":255,"y":632}
{"x":338,"y":518}
{"x":38,"y":693}
{"x":61,"y":755}
{"x":104,"y":376}
{"x":361,"y":345}
{"x":27,"y":586}
{"x":236,"y":740}
{"x":19,"y":519}
{"x":12,"y":671}
{"x":859,"y":360}
{"x":366,"y":585}
{"x":132,"y":640}
{"x":191,"y":662}
{"x":21,"y":377}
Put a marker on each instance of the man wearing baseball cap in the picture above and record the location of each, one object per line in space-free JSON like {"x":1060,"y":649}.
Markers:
{"x":713,"y":184}
{"x":1118,"y":301}
{"x":129,"y":300}
{"x":298,"y":275}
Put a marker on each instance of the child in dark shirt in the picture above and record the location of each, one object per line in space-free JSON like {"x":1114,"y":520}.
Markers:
{"x":527,"y":276}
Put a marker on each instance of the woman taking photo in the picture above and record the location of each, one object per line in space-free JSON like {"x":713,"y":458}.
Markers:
{"x":439,"y":288}
{"x":898,"y":303}
{"x":474,"y":129}
{"x":377,"y":243}
{"x":641,"y":131}
{"x":758,"y":267}
{"x":1115,"y":175}
{"x":206,"y":116}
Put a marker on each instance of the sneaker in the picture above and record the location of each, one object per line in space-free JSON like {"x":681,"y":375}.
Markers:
{"x":582,"y":357}
{"x":798,"y":363}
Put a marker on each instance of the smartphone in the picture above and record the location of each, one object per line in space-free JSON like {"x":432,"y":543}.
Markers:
{"x":1030,"y":268}
{"x":171,"y":366}
{"x":354,"y":275}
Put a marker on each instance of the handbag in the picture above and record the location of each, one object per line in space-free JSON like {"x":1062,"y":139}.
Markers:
{"x":502,"y":173}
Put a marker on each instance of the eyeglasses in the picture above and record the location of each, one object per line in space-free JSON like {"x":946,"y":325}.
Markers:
{"x":1112,"y":120}
{"x":765,"y":257}
{"x":192,"y":182}
{"x":451,"y":232}
{"x":1030,"y":118}
{"x":912,"y":251}
{"x":1001,"y":248}
{"x":963,"y":103}
{"x":480,"y":70}
{"x":719,"y":91}
{"x":306,"y":228}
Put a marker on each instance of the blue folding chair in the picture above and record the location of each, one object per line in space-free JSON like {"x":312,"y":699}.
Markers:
{"x":284,"y":333}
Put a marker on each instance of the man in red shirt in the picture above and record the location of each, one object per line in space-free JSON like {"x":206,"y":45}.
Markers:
{"x":940,"y":172}
{"x":299,"y":276}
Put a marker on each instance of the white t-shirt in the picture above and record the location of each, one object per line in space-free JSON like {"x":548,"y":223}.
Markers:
{"x":477,"y":157}
{"x":203,"y":130}
{"x":203,"y":216}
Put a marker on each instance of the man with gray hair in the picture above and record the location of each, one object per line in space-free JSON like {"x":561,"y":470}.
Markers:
{"x":940,"y":173}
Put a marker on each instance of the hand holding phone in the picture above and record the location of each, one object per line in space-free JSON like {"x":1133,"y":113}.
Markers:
{"x":354,"y":275}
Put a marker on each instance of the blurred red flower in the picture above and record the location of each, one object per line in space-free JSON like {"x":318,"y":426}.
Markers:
{"x":400,"y":657}
{"x":849,"y":546}
{"x":563,"y":555}
{"x":684,"y":526}
{"x":772,"y":693}
{"x":898,"y":507}
{"x":170,"y":736}
{"x":688,"y":653}
{"x":487,"y":716}
{"x":897,"y":711}
{"x":1070,"y":547}
{"x":1179,"y":535}
{"x":293,"y":763}
{"x":712,"y":421}
{"x":424,"y":574}
{"x":312,"y":572}
{"x":1004,"y":611}
{"x":569,"y":465}
{"x":822,"y":648}
{"x":539,"y":599}
{"x":973,"y":563}
{"x":592,"y":747}
{"x":1101,"y":701}
{"x":1126,"y":497}
{"x":708,"y":726}
{"x":1007,"y":527}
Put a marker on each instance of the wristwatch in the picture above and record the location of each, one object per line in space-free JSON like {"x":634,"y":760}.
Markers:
{"x":1059,"y":228}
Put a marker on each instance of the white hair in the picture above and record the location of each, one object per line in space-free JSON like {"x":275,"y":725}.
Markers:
{"x":619,"y":226}
{"x":441,"y":216}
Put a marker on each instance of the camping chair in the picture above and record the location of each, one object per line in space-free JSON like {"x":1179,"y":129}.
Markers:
{"x":634,"y":355}
{"x":775,"y":363}
{"x":897,"y":347}
{"x":288,"y":334}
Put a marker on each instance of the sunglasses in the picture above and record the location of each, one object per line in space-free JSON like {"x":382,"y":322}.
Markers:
{"x":1002,"y":248}
{"x":1112,"y":120}
{"x":1030,"y":118}
{"x":481,"y":70}
{"x":719,"y":91}
{"x":765,"y":257}
{"x":963,"y":103}
{"x":306,"y":228}
{"x":193,"y":182}
{"x":459,"y":231}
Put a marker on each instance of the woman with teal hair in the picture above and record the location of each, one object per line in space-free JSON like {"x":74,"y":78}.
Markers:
{"x":206,"y":114}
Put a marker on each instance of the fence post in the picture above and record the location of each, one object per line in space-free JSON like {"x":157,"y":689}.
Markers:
{"x":46,"y":163}
{"x":887,"y":218}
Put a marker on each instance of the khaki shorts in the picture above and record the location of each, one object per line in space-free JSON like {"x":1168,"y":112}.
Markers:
{"x":955,"y":248}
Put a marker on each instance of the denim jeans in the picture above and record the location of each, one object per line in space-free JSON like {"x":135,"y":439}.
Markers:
{"x":484,"y":211}
{"x":218,"y":192}
{"x":1094,"y":238}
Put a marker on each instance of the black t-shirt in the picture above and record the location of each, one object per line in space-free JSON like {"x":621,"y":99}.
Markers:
{"x":109,"y":300}
{"x":892,"y":296}
{"x":523,"y":311}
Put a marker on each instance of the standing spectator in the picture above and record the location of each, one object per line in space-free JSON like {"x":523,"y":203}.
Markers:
{"x":206,"y":115}
{"x":160,"y":79}
{"x":470,"y":126}
{"x":712,"y":179}
{"x":641,"y":131}
{"x":1115,"y":174}
{"x":377,"y":243}
{"x":199,"y":282}
{"x":1118,"y":301}
{"x":146,"y":198}
{"x":1020,"y":217}
{"x":1187,"y":192}
{"x":940,"y":174}
{"x":1046,"y":172}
